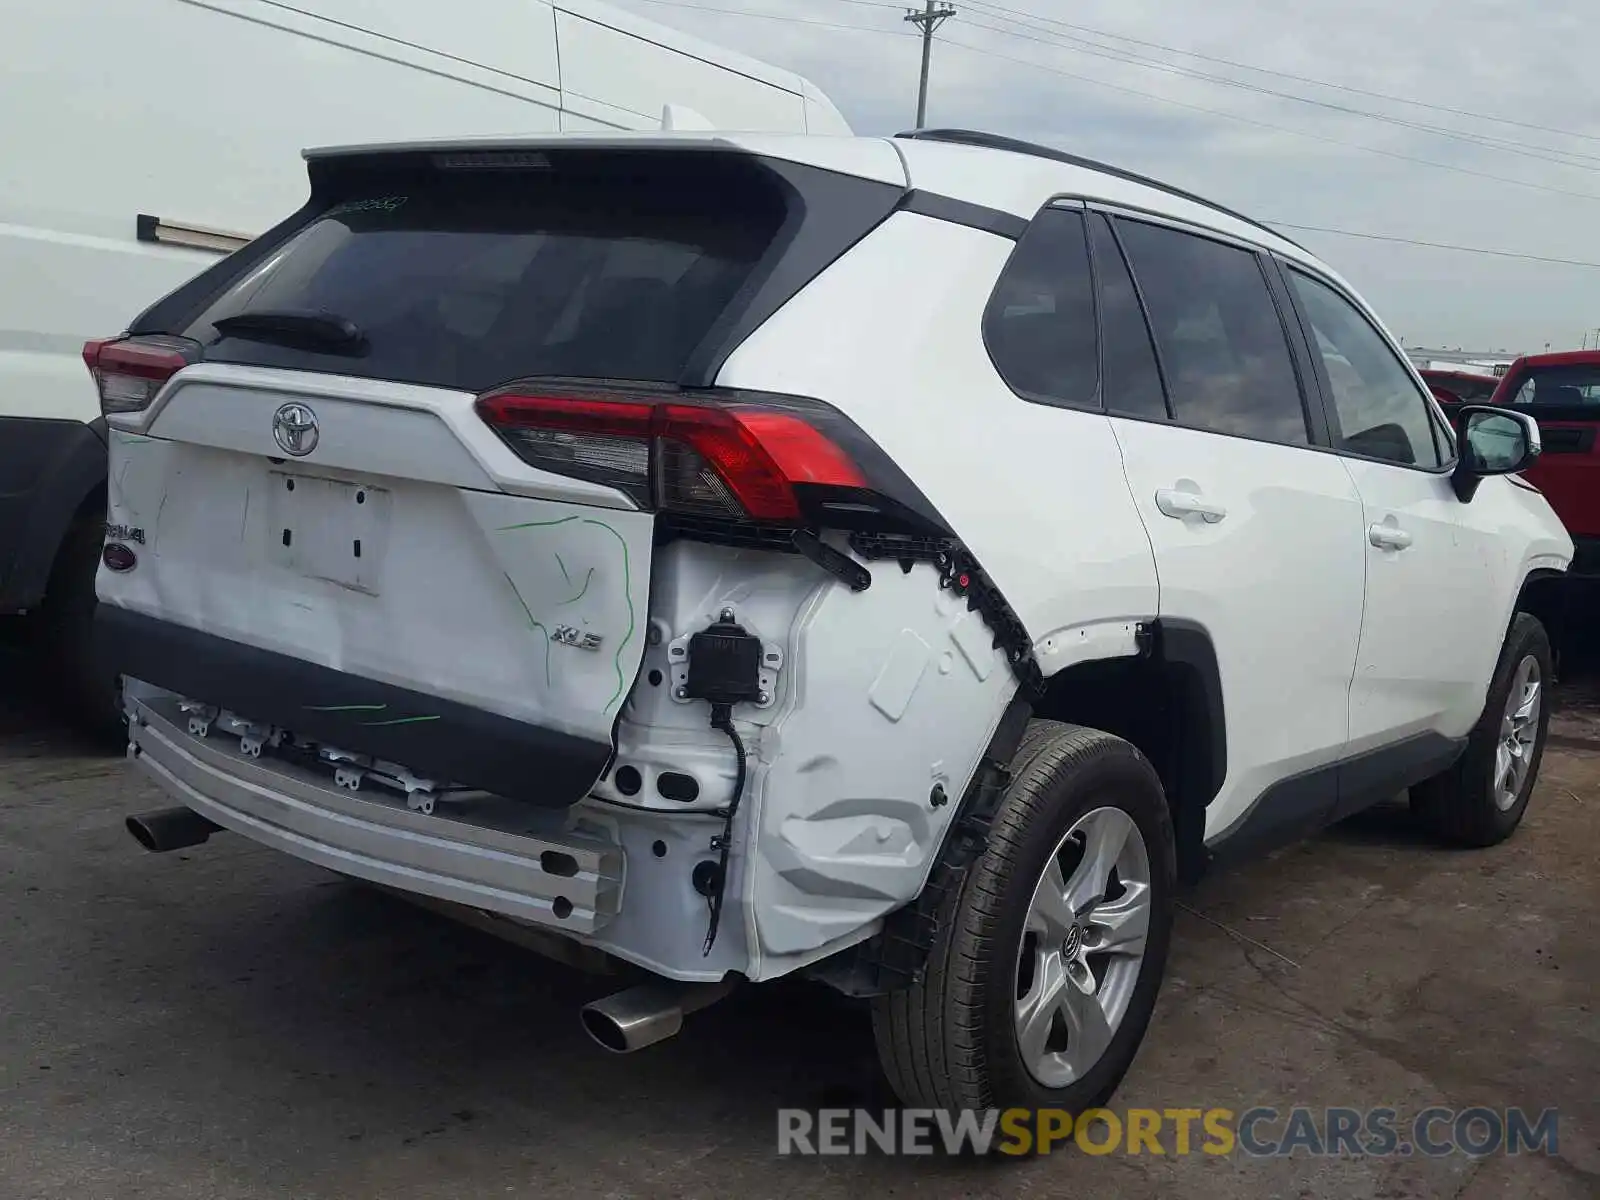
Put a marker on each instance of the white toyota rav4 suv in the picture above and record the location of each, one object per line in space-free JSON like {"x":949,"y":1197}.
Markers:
{"x":901,"y":561}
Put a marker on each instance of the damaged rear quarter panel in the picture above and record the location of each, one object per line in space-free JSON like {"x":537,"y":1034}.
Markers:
{"x":882,"y":696}
{"x":894,"y":695}
{"x":898,"y":687}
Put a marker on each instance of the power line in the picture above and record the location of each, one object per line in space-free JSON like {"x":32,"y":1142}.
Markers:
{"x":734,"y":12}
{"x":1116,"y":54}
{"x":1377,"y":237}
{"x":1319,"y":137}
{"x":1404,"y":241}
{"x":1228,"y":62}
{"x":679,"y":4}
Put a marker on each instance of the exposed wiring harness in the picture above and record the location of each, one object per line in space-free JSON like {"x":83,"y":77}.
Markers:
{"x":722,"y":719}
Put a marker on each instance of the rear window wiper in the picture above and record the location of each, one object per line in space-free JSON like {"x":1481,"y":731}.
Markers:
{"x":315,"y":330}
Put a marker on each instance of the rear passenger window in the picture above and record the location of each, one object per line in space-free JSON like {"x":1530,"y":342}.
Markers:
{"x":1040,"y":326}
{"x":1132,"y":383}
{"x":1221,"y":340}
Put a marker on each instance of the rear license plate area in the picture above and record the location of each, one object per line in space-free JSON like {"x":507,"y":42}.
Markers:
{"x":329,"y":529}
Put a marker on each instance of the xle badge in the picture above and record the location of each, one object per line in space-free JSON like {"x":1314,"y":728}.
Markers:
{"x":568,"y":636}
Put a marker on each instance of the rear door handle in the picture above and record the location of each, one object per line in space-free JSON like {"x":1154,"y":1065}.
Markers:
{"x":1179,"y":505}
{"x":1388,"y":537}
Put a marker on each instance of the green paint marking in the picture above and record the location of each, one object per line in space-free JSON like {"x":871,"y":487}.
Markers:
{"x":563,"y":567}
{"x":344,"y":707}
{"x":584,"y":591}
{"x":400,"y":721}
{"x":535,"y":624}
{"x":627,"y":592}
{"x":539,"y":524}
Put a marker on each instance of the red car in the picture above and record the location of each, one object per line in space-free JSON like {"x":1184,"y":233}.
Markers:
{"x":1562,"y":392}
{"x":1459,"y":387}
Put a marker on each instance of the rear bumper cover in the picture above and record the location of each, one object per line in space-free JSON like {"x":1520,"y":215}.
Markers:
{"x":441,"y":739}
{"x":544,"y":873}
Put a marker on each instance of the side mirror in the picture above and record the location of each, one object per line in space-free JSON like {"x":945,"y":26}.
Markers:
{"x":1494,"y":441}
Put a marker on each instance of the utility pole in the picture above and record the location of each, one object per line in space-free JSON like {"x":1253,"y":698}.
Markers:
{"x":929,"y":19}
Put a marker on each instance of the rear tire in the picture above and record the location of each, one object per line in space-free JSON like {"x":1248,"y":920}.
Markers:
{"x":978,"y":1030}
{"x":72,"y":668}
{"x":1481,"y":800}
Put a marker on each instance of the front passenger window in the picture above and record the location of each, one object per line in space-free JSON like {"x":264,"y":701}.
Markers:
{"x":1379,"y":410}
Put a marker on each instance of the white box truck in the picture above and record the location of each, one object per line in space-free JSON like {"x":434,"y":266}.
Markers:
{"x":143,"y":138}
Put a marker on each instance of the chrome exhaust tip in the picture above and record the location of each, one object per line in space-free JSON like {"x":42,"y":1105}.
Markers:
{"x":170,"y":829}
{"x":652,"y":1012}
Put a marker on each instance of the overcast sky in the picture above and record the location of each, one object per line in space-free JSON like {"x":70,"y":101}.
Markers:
{"x":1533,"y":61}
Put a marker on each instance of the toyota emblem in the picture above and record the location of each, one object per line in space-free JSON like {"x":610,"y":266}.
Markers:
{"x":294,"y":428}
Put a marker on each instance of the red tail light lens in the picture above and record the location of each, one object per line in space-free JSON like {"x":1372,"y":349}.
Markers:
{"x":734,"y":461}
{"x":130,"y":371}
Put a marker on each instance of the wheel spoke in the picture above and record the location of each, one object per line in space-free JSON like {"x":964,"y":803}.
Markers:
{"x":1528,"y":708}
{"x":1071,"y":919}
{"x":1121,"y":926}
{"x":1105,"y":833}
{"x":1037,"y":1011}
{"x":1088,"y":1030}
{"x":1050,"y":914}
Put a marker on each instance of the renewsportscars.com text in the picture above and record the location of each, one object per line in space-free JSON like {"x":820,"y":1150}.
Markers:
{"x":1260,"y":1132}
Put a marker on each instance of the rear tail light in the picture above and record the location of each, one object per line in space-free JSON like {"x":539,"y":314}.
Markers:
{"x":130,"y":371}
{"x":733,"y":461}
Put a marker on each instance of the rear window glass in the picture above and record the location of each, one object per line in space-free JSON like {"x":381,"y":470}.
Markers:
{"x":471,"y":279}
{"x":1470,"y":390}
{"x":1040,"y":326}
{"x":1564,"y":387}
{"x":1222,"y":343}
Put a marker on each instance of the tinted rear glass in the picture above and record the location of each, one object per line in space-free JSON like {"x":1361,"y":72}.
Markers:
{"x":1039,"y":325}
{"x":1221,"y":340}
{"x":468,"y":279}
{"x":1565,"y":387}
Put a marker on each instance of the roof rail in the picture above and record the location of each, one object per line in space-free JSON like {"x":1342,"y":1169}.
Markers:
{"x":994,"y":141}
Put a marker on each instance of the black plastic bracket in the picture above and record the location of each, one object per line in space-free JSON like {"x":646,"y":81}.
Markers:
{"x":851,"y":573}
{"x":960,"y":573}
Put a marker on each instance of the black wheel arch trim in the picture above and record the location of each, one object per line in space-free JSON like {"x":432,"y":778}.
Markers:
{"x":897,"y":954}
{"x":1188,"y":644}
